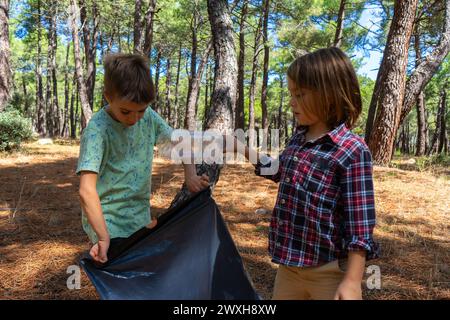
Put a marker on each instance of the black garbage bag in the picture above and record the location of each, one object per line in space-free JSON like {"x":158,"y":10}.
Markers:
{"x":189,"y":255}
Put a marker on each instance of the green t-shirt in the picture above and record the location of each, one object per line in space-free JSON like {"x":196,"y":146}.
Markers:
{"x":122,"y":156}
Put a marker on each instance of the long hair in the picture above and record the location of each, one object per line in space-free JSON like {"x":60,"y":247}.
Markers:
{"x":329,"y":73}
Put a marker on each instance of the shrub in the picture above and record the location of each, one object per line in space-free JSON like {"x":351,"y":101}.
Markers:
{"x":14,"y":129}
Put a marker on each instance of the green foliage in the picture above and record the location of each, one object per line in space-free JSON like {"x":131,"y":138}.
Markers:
{"x":14,"y":129}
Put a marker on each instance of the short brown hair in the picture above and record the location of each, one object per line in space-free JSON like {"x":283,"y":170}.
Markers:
{"x":329,"y":73}
{"x":128,"y":76}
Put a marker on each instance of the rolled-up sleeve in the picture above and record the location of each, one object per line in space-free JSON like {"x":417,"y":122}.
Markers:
{"x":358,"y":202}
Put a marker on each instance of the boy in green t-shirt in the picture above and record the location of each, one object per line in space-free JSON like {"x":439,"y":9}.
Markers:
{"x":116,"y":154}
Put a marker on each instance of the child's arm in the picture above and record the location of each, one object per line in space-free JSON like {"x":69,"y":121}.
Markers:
{"x":357,"y":195}
{"x":350,"y":287}
{"x":265,"y":166}
{"x":90,"y":202}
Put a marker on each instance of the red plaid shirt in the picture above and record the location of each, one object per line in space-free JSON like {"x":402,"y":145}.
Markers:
{"x":325,"y":205}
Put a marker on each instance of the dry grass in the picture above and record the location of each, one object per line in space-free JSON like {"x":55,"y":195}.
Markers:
{"x":41,"y":235}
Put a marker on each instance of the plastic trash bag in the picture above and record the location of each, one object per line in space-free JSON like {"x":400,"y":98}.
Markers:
{"x":189,"y":255}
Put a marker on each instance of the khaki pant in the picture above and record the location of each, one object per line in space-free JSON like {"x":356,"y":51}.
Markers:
{"x":317,"y":283}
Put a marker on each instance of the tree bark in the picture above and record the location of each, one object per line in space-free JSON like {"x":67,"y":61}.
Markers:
{"x":64,"y":130}
{"x":264,"y":123}
{"x":191,"y":123}
{"x":442,"y":124}
{"x":339,"y":24}
{"x":251,"y":107}
{"x":85,"y":106}
{"x":90,"y":47}
{"x":279,"y":125}
{"x":427,"y":68}
{"x":391,"y":94}
{"x":221,"y":115}
{"x":158,"y":69}
{"x":149,"y":19}
{"x":40,"y":123}
{"x":422,"y":134}
{"x":177,"y":82}
{"x":137,"y":31}
{"x":436,"y":142}
{"x":167,"y":112}
{"x":73,"y":124}
{"x":5,"y":68}
{"x":240,"y":119}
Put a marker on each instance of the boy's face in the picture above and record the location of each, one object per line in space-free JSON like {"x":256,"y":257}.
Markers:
{"x":126,"y":112}
{"x":300,"y":98}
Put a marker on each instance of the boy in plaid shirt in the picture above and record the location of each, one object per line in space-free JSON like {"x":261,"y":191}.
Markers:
{"x":322,"y":224}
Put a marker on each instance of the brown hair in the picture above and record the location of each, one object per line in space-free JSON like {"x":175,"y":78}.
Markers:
{"x":330,"y":75}
{"x":128,"y":76}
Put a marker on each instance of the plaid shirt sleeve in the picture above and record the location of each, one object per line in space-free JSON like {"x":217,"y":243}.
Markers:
{"x":359,"y":204}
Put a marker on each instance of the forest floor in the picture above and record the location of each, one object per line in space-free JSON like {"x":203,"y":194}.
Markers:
{"x":41,"y":235}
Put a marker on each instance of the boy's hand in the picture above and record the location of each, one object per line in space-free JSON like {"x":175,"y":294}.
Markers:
{"x":349,"y":290}
{"x":99,"y":251}
{"x":196,"y":183}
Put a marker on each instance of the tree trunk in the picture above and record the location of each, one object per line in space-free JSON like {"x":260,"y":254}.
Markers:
{"x":440,"y":119}
{"x":40,"y":123}
{"x":177,"y":82}
{"x":251,"y":106}
{"x":264,"y":123}
{"x":64,"y":131}
{"x":390,"y":99}
{"x":73,"y":124}
{"x":158,"y":69}
{"x":420,"y":104}
{"x":137,"y":32}
{"x":240,"y":119}
{"x":90,"y":47}
{"x":279,"y":125}
{"x":5,"y":68}
{"x":168,"y":81}
{"x":427,"y":68}
{"x":442,"y":124}
{"x":149,"y":18}
{"x":85,"y":106}
{"x":221,"y":115}
{"x":191,"y":123}
{"x":52,"y":83}
{"x":339,"y":24}
{"x":207,"y":84}
{"x":26,"y":106}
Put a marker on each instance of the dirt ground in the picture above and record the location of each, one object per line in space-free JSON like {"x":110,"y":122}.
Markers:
{"x":41,"y":235}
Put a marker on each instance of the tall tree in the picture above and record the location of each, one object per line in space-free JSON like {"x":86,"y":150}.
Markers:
{"x":240,"y":119}
{"x":195,"y":91}
{"x":265,"y":124}
{"x":40,"y":123}
{"x":427,"y":68}
{"x":5,"y":69}
{"x":137,"y":33}
{"x":224,"y":95}
{"x":251,"y":107}
{"x":90,"y":42}
{"x":392,"y":81}
{"x":422,"y":134}
{"x":86,"y":109}
{"x":339,"y":23}
{"x":149,"y":20}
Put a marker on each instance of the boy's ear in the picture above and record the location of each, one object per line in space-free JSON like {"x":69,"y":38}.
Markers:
{"x":107,"y":97}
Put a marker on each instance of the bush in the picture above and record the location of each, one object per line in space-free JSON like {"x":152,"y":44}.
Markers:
{"x":14,"y":129}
